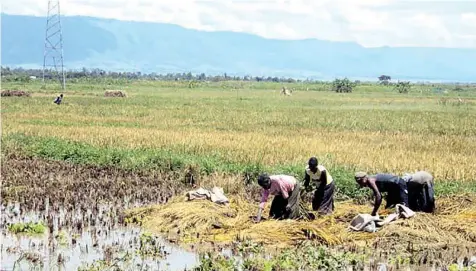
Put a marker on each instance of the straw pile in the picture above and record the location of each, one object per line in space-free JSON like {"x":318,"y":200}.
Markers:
{"x":114,"y":93}
{"x":17,"y":93}
{"x":204,"y":221}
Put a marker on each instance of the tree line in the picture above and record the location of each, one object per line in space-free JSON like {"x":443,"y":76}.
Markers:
{"x":21,"y":74}
{"x":338,"y":85}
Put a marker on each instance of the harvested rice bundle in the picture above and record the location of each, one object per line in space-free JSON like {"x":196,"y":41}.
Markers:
{"x":206,"y":221}
{"x":17,"y":93}
{"x":114,"y":93}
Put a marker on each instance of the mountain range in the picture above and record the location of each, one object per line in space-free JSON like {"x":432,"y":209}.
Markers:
{"x":116,"y":45}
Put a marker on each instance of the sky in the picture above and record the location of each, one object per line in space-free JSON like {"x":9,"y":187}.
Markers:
{"x":371,"y":23}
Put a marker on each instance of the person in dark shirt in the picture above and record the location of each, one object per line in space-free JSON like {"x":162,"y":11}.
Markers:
{"x":393,"y":185}
{"x":420,"y":191}
{"x":59,"y":99}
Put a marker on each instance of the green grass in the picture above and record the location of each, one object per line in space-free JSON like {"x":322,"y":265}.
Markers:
{"x":29,"y":228}
{"x":311,"y":257}
{"x":305,"y":257}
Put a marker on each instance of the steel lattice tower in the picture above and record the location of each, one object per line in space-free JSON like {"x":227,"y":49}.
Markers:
{"x":53,"y":54}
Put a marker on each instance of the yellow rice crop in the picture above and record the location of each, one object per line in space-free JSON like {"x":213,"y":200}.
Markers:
{"x":392,"y":133}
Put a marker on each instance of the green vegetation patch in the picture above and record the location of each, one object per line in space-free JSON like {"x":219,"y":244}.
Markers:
{"x":29,"y":228}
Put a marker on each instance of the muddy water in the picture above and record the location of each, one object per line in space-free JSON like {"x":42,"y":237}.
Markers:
{"x":82,"y":209}
{"x":73,"y":249}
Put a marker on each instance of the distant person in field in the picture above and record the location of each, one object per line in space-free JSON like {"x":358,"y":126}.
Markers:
{"x":394,"y":186}
{"x":315,"y":174}
{"x":285,"y":91}
{"x":421,"y":196}
{"x":286,"y":191}
{"x":59,"y":99}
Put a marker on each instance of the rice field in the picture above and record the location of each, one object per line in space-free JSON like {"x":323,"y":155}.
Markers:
{"x":372,"y":129}
{"x":91,"y":160}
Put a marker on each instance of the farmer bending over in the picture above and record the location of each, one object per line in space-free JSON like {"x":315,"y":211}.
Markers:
{"x":323,"y":200}
{"x":285,"y":189}
{"x":421,"y":196}
{"x":395,"y":187}
{"x":59,"y":99}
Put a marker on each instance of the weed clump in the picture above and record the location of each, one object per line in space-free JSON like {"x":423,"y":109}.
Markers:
{"x":30,"y":228}
{"x":114,"y":93}
{"x":17,"y":93}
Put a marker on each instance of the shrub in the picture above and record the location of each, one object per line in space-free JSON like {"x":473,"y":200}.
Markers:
{"x":343,"y":85}
{"x":403,"y":87}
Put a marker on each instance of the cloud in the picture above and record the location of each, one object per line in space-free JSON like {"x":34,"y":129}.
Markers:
{"x":469,"y":19}
{"x":369,"y":22}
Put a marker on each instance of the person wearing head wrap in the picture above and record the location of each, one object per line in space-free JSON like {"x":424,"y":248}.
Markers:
{"x":323,"y":200}
{"x":285,"y":190}
{"x":394,"y":186}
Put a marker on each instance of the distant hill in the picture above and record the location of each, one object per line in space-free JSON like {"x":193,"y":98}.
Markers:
{"x":156,"y":47}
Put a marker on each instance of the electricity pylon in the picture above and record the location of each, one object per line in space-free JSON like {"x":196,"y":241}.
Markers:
{"x":53,"y":55}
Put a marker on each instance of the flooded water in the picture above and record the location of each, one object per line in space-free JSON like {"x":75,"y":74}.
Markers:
{"x":70,"y":248}
{"x":82,"y":208}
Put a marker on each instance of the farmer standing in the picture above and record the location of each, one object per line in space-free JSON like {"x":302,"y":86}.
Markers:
{"x":286,"y":193}
{"x":395,"y":187}
{"x":421,"y":196}
{"x":323,"y":200}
